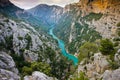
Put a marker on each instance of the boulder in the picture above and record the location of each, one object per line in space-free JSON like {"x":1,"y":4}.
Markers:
{"x":112,"y":75}
{"x":8,"y":71}
{"x":38,"y":76}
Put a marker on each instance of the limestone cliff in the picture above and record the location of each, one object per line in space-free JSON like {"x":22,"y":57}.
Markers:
{"x":99,"y":15}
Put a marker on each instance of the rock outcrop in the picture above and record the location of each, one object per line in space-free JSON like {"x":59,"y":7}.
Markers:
{"x":111,"y":75}
{"x":94,"y":69}
{"x":38,"y":76}
{"x":22,"y":38}
{"x":8,"y":71}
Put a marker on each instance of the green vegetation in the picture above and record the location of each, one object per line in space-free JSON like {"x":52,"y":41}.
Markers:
{"x":37,"y":66}
{"x":83,"y":33}
{"x":1,"y":24}
{"x":29,"y":39}
{"x":20,"y":61}
{"x":118,"y":24}
{"x":9,"y":44}
{"x":86,"y":50}
{"x":113,"y":65}
{"x":118,"y":29}
{"x":20,"y":38}
{"x":92,"y":16}
{"x":6,"y":20}
{"x":26,"y":68}
{"x":42,"y":67}
{"x":106,"y":47}
{"x":26,"y":71}
{"x":80,"y":76}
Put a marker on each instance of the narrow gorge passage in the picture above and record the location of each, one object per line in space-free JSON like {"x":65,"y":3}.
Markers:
{"x":62,"y":47}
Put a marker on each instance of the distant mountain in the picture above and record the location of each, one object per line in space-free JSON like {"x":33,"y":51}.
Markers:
{"x":10,"y":10}
{"x":49,"y":14}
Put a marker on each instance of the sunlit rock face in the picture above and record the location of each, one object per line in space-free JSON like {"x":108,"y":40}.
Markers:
{"x":97,"y":6}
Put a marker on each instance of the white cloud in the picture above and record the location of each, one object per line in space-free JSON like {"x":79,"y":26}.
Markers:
{"x":26,"y":4}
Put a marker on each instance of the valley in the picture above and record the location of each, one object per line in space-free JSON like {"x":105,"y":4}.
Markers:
{"x":63,"y":50}
{"x":80,"y":41}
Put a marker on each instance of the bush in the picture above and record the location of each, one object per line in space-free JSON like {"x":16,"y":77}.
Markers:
{"x":26,"y":71}
{"x":20,"y":62}
{"x":36,"y":66}
{"x":29,"y":39}
{"x":80,"y":76}
{"x":114,"y":65}
{"x":106,"y":47}
{"x":86,"y":49}
{"x":118,"y":29}
{"x":118,"y":24}
{"x":20,"y":38}
{"x":42,"y":67}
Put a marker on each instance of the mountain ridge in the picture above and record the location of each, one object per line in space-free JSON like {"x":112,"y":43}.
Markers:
{"x":48,"y":13}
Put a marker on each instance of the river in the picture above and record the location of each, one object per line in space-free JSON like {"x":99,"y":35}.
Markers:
{"x":62,"y":47}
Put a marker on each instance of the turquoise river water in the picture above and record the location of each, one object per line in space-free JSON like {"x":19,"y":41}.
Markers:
{"x":62,"y":47}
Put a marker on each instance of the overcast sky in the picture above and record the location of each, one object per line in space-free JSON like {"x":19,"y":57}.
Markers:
{"x":26,"y":4}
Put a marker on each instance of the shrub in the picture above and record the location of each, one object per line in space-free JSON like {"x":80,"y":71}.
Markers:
{"x":42,"y":67}
{"x":29,"y":39}
{"x":106,"y":47}
{"x":20,"y":62}
{"x":86,"y":49}
{"x":26,"y":70}
{"x":116,"y":44}
{"x":20,"y":38}
{"x":92,"y":16}
{"x":80,"y":76}
{"x":114,"y":65}
{"x":118,"y":29}
{"x":118,"y":24}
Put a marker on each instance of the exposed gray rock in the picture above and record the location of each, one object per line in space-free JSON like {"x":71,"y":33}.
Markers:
{"x":8,"y":75}
{"x":23,"y":38}
{"x":95,"y":68}
{"x":8,"y":71}
{"x":111,"y":75}
{"x":30,"y":56}
{"x":6,"y":62}
{"x":38,"y":76}
{"x":117,"y":57}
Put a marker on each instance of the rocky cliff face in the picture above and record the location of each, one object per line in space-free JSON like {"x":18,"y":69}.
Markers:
{"x":110,"y":10}
{"x":85,"y":17}
{"x":22,"y":38}
{"x":8,"y":68}
{"x":97,"y":67}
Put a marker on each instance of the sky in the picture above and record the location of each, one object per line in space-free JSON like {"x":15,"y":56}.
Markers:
{"x":27,"y":4}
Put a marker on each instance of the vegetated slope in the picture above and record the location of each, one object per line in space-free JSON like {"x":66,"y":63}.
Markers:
{"x":87,"y":21}
{"x":73,"y":29}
